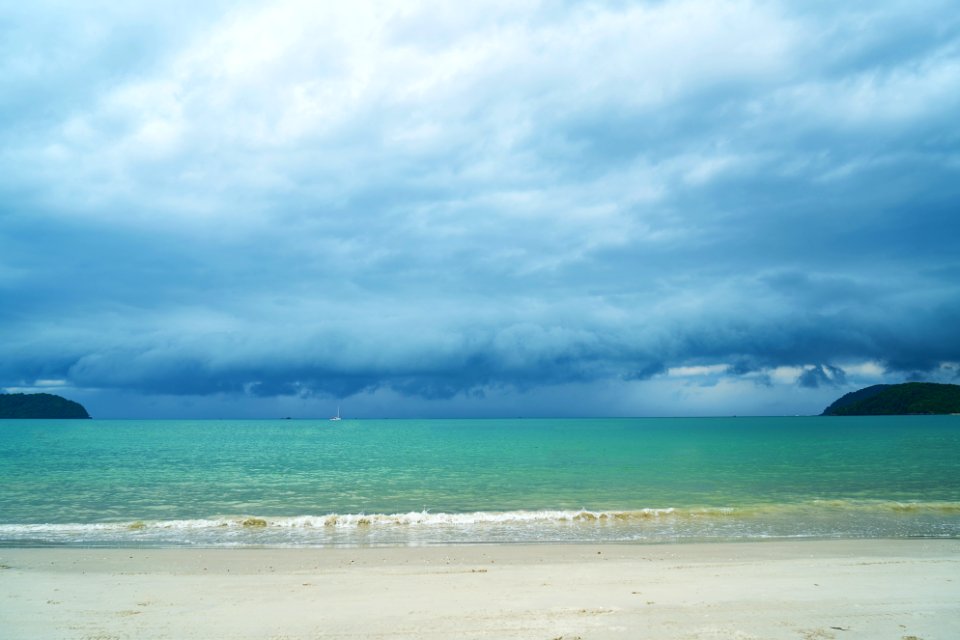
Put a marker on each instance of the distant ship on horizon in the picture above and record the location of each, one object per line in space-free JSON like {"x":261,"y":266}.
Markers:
{"x":336,"y":417}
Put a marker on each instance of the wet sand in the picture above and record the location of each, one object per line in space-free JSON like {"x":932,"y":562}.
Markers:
{"x":806,"y":590}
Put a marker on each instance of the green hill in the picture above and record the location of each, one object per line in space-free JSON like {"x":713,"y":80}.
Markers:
{"x":39,"y":405}
{"x":898,"y":399}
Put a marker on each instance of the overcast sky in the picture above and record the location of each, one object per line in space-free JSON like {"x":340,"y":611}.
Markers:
{"x":477,"y":209}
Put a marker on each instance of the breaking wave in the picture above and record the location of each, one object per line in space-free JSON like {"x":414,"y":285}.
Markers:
{"x":819,"y":518}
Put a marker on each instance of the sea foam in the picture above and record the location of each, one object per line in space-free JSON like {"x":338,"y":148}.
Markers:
{"x":817,"y":518}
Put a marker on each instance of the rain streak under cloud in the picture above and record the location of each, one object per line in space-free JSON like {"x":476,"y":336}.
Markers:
{"x":498,"y":208}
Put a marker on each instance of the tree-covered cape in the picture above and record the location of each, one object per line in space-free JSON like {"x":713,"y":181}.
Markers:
{"x":898,"y":399}
{"x":39,"y":405}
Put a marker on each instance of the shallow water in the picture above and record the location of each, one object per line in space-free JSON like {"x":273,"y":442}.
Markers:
{"x":445,"y":481}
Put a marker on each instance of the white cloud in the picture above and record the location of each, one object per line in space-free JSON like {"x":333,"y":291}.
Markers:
{"x":697,"y":370}
{"x":325,"y":93}
{"x":913,"y":93}
{"x":865,"y":370}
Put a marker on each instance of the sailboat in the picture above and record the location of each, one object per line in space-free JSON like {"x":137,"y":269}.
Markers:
{"x":336,"y":417}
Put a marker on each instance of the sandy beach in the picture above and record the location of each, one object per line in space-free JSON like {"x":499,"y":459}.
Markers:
{"x":809,"y":590}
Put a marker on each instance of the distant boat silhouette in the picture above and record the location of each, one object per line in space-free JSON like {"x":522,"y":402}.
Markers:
{"x":336,"y":417}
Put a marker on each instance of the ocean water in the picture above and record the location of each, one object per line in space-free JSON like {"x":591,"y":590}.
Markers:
{"x":412,"y":482}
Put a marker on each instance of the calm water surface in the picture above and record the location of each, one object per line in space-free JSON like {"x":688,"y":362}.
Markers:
{"x":445,"y":481}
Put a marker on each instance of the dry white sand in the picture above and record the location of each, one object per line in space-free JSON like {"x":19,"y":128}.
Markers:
{"x":814,"y":590}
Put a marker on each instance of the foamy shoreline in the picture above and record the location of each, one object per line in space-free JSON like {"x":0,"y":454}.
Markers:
{"x":817,"y":519}
{"x":797,"y":589}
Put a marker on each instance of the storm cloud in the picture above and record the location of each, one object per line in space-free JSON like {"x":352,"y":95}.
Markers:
{"x":494,"y":208}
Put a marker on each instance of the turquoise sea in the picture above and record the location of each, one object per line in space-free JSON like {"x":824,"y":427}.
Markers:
{"x":409,"y":482}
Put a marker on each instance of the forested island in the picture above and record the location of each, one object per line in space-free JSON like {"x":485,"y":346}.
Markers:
{"x":39,"y":405}
{"x":909,"y":398}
